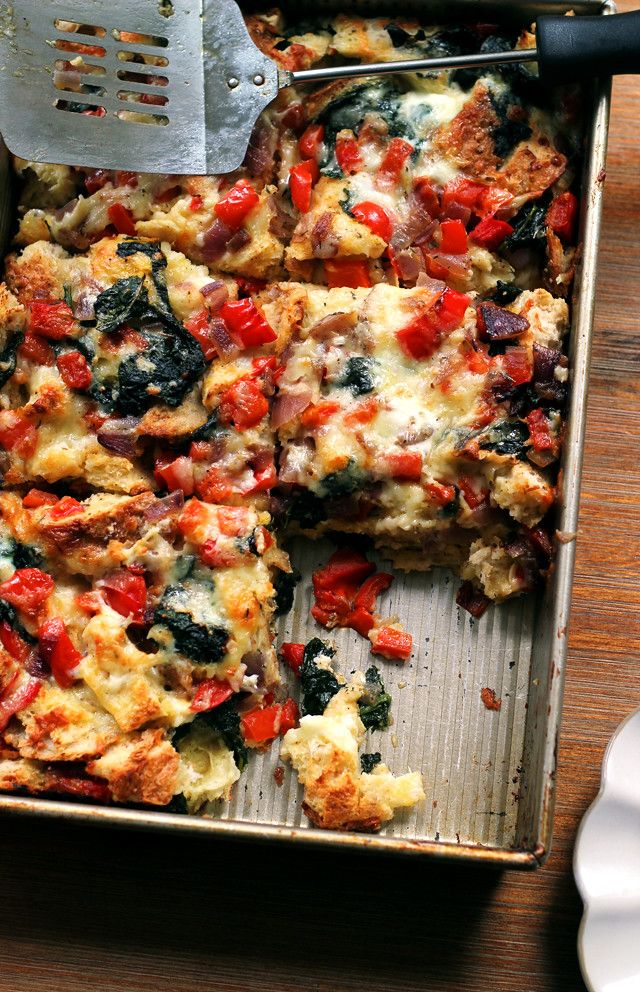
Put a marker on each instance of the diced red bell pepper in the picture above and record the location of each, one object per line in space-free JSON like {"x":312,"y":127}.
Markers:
{"x":243,"y":405}
{"x":370,"y":589}
{"x":91,"y":601}
{"x":292,"y":655}
{"x":58,"y":651}
{"x":362,"y":413}
{"x":246,"y":323}
{"x":36,"y":349}
{"x":262,"y":725}
{"x":562,"y":215}
{"x":51,"y":319}
{"x":234,"y":206}
{"x":453,"y":237}
{"x":346,"y":568}
{"x":465,"y":192}
{"x":427,"y":195}
{"x":126,"y":178}
{"x":440,"y":492}
{"x":490,"y":233}
{"x":196,"y":203}
{"x":393,"y":161}
{"x":17,"y":697}
{"x":13,"y":643}
{"x":126,"y":593}
{"x":478,"y":360}
{"x":473,"y":496}
{"x":27,"y":589}
{"x":65,"y":507}
{"x":122,"y":219}
{"x":517,"y":364}
{"x":391,"y":643}
{"x":264,"y":474}
{"x":302,"y":178}
{"x":176,"y":473}
{"x":76,"y":785}
{"x":248,"y":287}
{"x":539,"y":430}
{"x":310,"y":143}
{"x":472,"y":600}
{"x":422,"y":337}
{"x":404,"y":465}
{"x":493,"y":199}
{"x":350,"y":272}
{"x":375,"y":217}
{"x":74,"y":369}
{"x":17,"y":433}
{"x":319,"y":414}
{"x":200,"y":327}
{"x":97,"y":179}
{"x":38,"y":497}
{"x":348,"y":155}
{"x":209,"y":694}
{"x":217,"y":486}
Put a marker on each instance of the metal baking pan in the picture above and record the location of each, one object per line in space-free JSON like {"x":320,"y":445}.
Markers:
{"x":489,"y":776}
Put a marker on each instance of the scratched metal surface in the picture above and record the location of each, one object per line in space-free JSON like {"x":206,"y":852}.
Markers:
{"x":489,"y":775}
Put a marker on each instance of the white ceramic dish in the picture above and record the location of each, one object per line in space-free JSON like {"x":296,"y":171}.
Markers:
{"x":607,"y":869}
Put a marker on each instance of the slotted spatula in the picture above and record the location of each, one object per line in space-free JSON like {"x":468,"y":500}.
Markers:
{"x":176,"y":85}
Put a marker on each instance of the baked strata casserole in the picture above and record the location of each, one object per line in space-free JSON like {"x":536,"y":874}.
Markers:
{"x":360,"y":332}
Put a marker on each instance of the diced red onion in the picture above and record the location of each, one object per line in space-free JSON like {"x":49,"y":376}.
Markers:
{"x":215,"y":240}
{"x":544,"y":363}
{"x":215,"y":294}
{"x":456,"y":211}
{"x":458,"y":266}
{"x":84,"y":305}
{"x":498,"y":324}
{"x":165,"y":507}
{"x":332,"y":324}
{"x":261,"y":148}
{"x":224,"y":343}
{"x":254,"y":660}
{"x":61,"y":213}
{"x":433,"y":285}
{"x":324,"y":242}
{"x":36,"y":665}
{"x":289,"y":403}
{"x":409,"y":263}
{"x":119,"y":436}
{"x":282,"y":223}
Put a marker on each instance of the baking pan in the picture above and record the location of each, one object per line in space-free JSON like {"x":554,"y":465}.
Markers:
{"x":489,"y":776}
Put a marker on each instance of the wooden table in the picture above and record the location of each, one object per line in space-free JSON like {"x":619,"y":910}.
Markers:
{"x":97,"y":909}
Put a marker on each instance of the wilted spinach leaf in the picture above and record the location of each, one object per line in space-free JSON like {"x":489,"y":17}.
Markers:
{"x":375,"y":702}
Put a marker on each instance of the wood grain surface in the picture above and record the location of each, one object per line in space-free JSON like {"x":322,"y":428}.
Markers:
{"x":96,"y":909}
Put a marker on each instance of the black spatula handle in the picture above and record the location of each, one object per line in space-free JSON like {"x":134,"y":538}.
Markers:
{"x":572,"y":48}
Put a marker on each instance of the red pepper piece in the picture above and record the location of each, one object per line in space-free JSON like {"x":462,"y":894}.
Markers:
{"x":404,"y":465}
{"x":243,"y":405}
{"x":302,"y":179}
{"x":345,"y":566}
{"x":393,"y":161}
{"x":292,"y":655}
{"x":209,"y":694}
{"x":17,"y":433}
{"x":562,"y":216}
{"x":27,"y":589}
{"x":65,"y":507}
{"x":517,"y":364}
{"x":122,"y":219}
{"x":126,"y":593}
{"x":453,"y":237}
{"x":38,"y":497}
{"x":51,"y":319}
{"x":375,"y":217}
{"x":246,"y":323}
{"x":58,"y":651}
{"x":473,"y":496}
{"x":234,"y":206}
{"x":36,"y":349}
{"x":310,"y":143}
{"x":74,"y":369}
{"x":391,"y":643}
{"x":262,"y":725}
{"x":371,"y":588}
{"x":319,"y":414}
{"x":539,"y":430}
{"x":350,"y":272}
{"x":490,"y":233}
{"x":348,"y":155}
{"x":440,"y":492}
{"x":13,"y":643}
{"x":176,"y":473}
{"x":422,"y":337}
{"x":17,"y":697}
{"x":427,"y":195}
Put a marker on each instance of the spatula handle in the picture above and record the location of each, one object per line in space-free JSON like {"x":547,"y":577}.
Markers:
{"x":575,"y":48}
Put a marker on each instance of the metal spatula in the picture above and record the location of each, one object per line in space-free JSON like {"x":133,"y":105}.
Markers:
{"x":176,"y":85}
